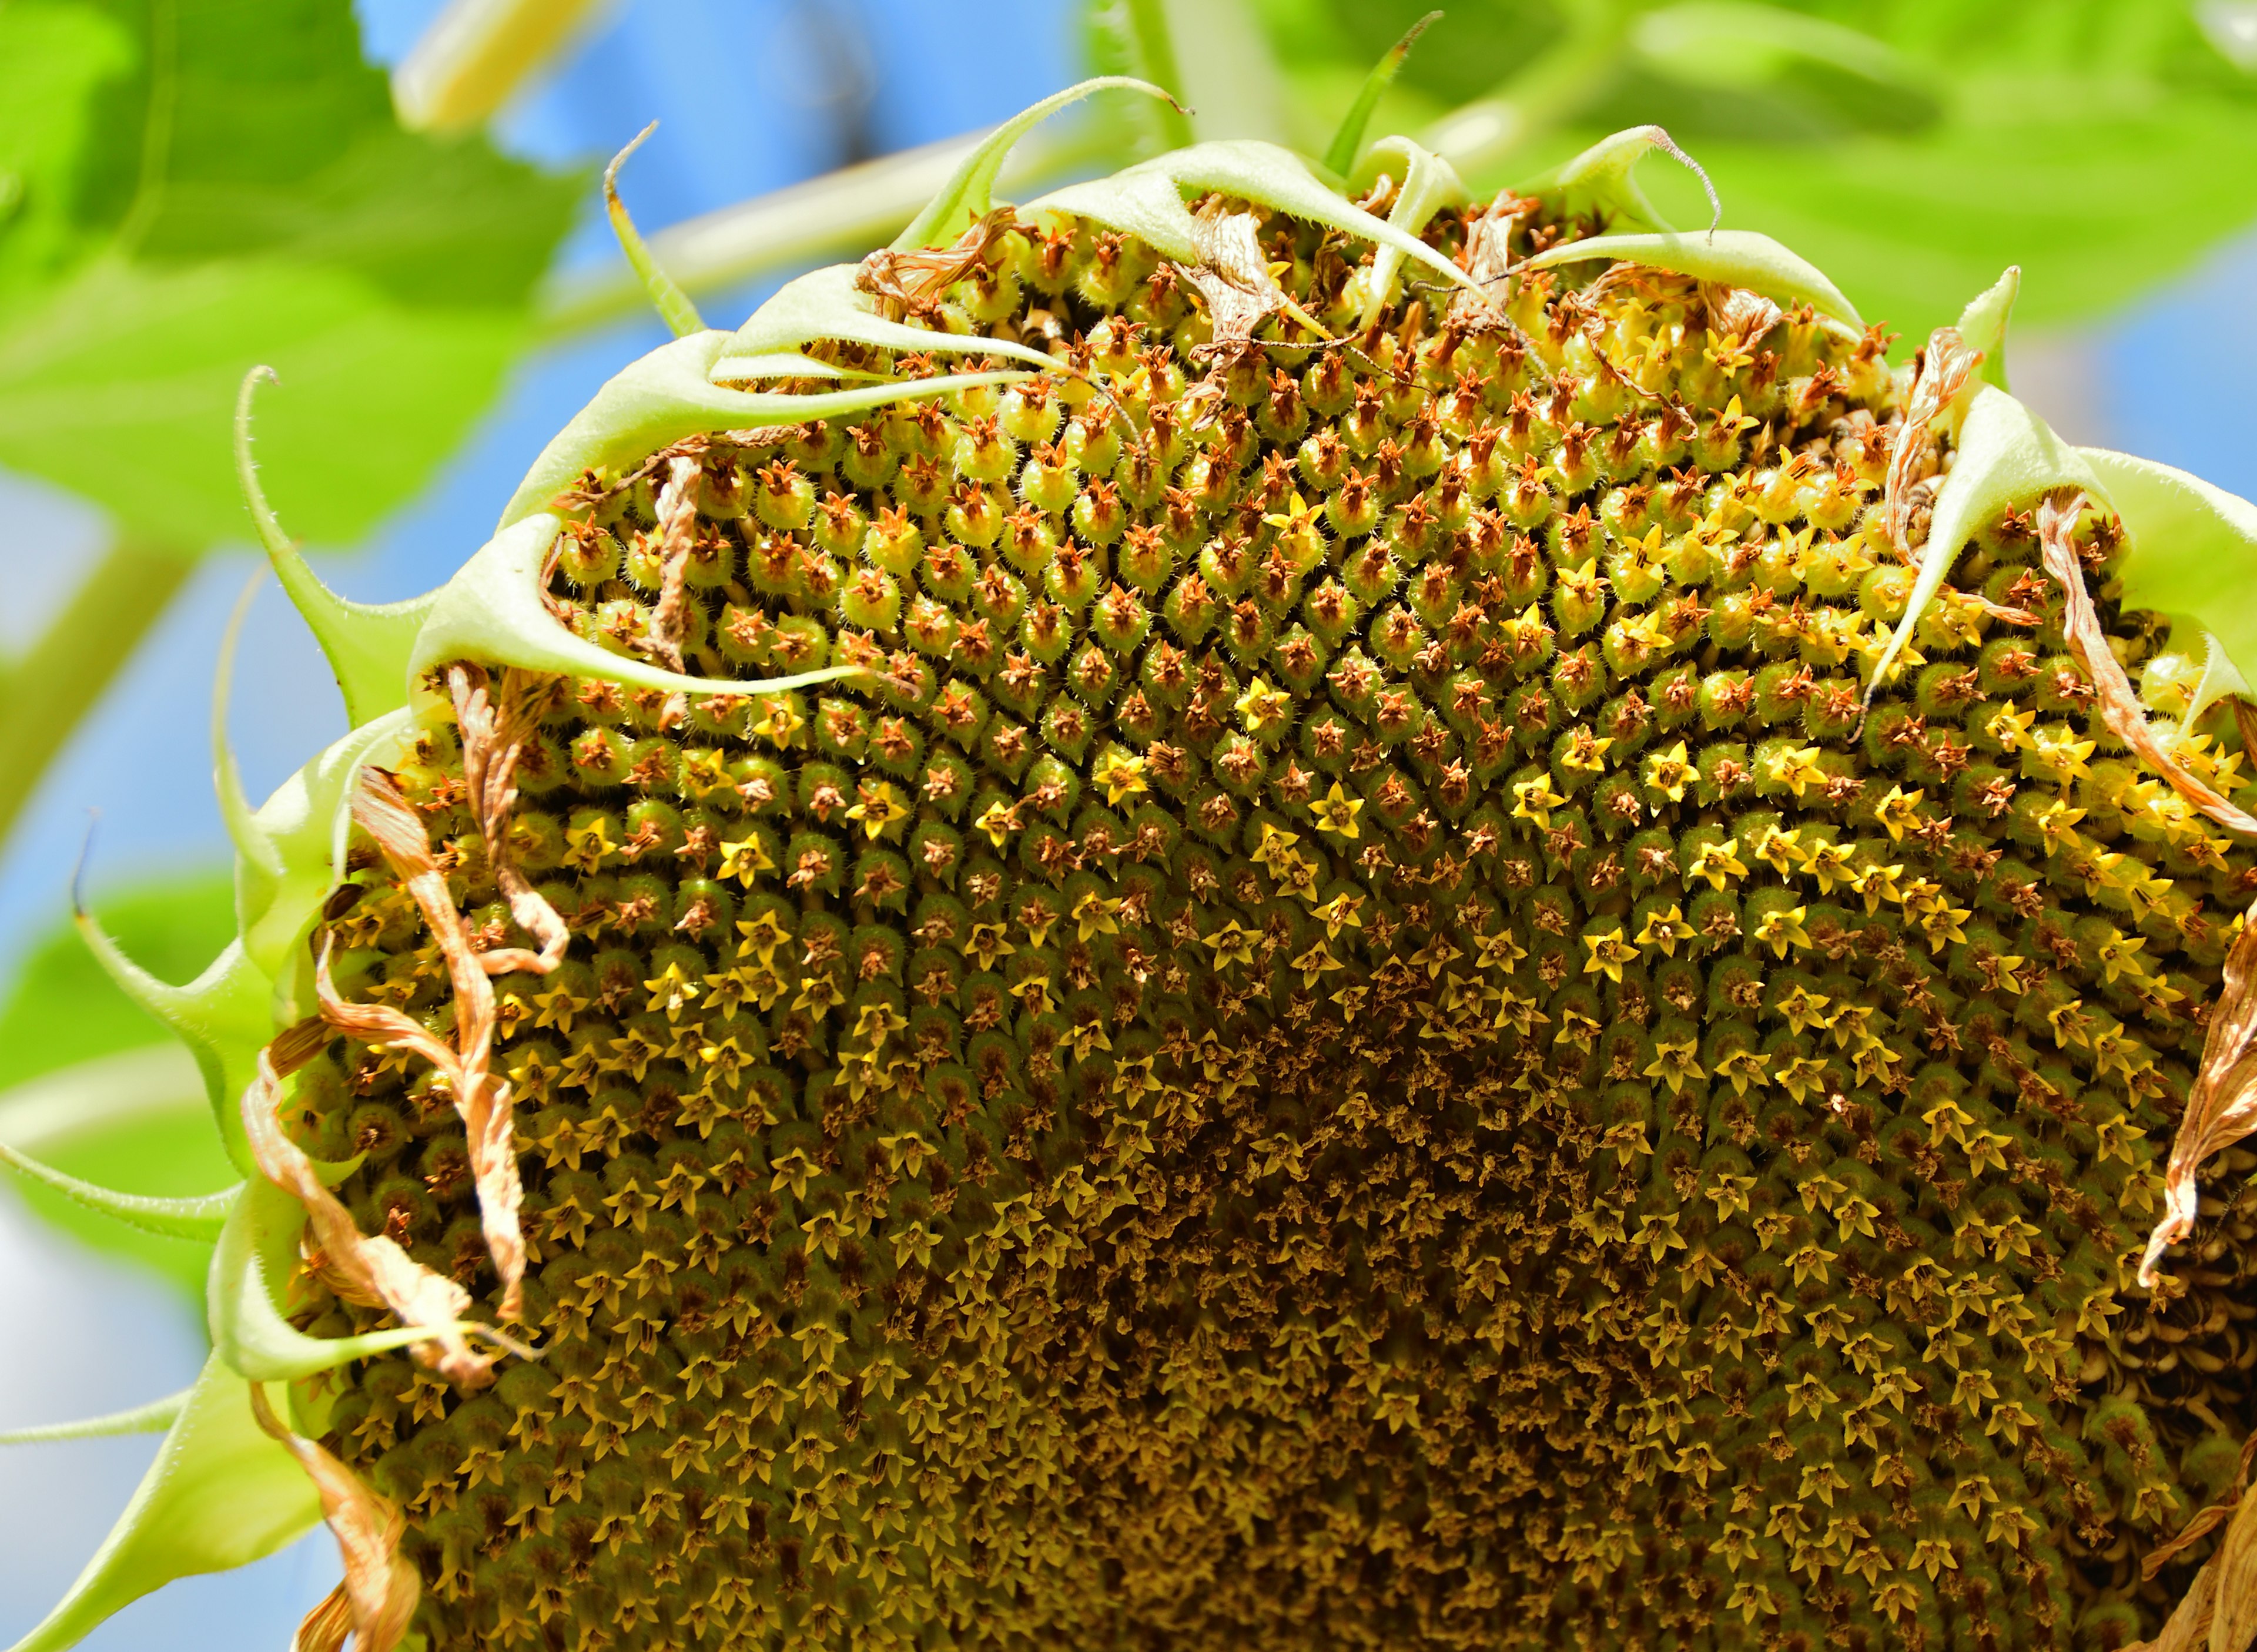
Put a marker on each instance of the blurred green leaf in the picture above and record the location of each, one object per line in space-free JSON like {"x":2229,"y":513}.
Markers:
{"x":1912,"y":149}
{"x":194,"y":189}
{"x":94,"y":1086}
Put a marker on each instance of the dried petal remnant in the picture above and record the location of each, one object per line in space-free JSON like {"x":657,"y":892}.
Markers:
{"x":481,"y":1098}
{"x":377,"y":1597}
{"x":375,"y":1270}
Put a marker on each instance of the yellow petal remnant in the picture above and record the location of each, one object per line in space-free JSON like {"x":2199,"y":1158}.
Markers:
{"x":1664,"y":930}
{"x":1669,"y":772}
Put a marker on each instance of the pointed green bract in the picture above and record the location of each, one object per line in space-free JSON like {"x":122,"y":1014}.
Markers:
{"x":365,"y":646}
{"x":1429,"y":184}
{"x":1733,"y":258}
{"x":671,"y":393}
{"x":2193,"y":553}
{"x":492,"y":611}
{"x":1602,"y":180}
{"x":258,"y":1249}
{"x":672,"y":304}
{"x":220,"y":1494}
{"x":1347,"y":139}
{"x":196,"y":1218}
{"x":1147,"y":200}
{"x":224,"y":1016}
{"x":2007,"y":458}
{"x":824,"y":304}
{"x":303,"y":826}
{"x":1982,"y":324}
{"x":970,"y":191}
{"x":252,"y":851}
{"x":153,"y":1418}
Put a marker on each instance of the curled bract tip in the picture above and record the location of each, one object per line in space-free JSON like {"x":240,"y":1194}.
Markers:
{"x":673,"y":305}
{"x":1668,"y":146}
{"x":612,"y":172}
{"x":79,"y":909}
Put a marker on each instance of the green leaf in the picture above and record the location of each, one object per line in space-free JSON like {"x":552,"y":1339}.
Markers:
{"x":204,"y":187}
{"x":99,"y":1090}
{"x":1816,"y":71}
{"x":221,"y":1494}
{"x":1132,"y":39}
{"x":63,"y":1009}
{"x":1226,"y":74}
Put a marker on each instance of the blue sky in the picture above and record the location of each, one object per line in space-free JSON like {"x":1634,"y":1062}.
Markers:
{"x":743,"y":111}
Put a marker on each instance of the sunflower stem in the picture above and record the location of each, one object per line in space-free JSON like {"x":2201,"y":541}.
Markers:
{"x":49,"y":689}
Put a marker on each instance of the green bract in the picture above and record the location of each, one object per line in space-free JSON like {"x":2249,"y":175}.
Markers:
{"x":1424,"y":907}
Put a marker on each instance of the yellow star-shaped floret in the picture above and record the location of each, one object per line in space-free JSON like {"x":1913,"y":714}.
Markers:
{"x":1781,"y":927}
{"x":1093,"y":915}
{"x":1335,"y":812}
{"x":999,"y":820}
{"x":1664,"y":930}
{"x":1276,"y":849}
{"x":1341,"y":912}
{"x":878,"y":806}
{"x":1900,"y":812}
{"x":779,"y":723}
{"x":1797,"y":770}
{"x":2010,"y":727}
{"x":744,"y":859}
{"x":671,"y":990}
{"x":1262,"y":706}
{"x":1585,"y":751}
{"x":1121,"y":775}
{"x":1669,"y":772}
{"x":1609,"y":953}
{"x":1534,"y":801}
{"x":762,"y":936}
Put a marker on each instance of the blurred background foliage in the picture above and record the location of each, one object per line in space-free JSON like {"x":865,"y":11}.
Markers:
{"x":188,"y":189}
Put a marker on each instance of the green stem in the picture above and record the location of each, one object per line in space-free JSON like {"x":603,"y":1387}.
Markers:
{"x":1155,"y":49}
{"x":48,"y":690}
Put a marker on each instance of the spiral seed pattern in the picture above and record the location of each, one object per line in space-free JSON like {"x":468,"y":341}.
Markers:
{"x":1345,"y":1039}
